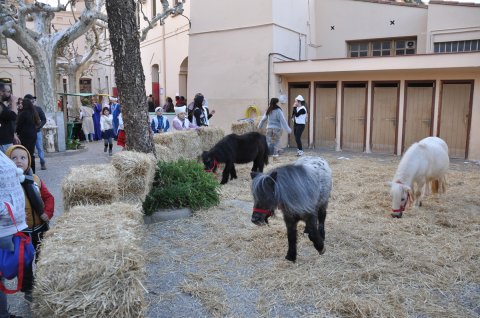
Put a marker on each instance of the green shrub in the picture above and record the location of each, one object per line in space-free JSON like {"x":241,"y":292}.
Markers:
{"x":181,"y":184}
{"x":73,"y":144}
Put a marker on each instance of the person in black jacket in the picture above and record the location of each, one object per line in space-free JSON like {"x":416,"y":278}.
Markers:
{"x":7,"y":123}
{"x":27,"y":123}
{"x":43,"y":121}
{"x":200,"y":114}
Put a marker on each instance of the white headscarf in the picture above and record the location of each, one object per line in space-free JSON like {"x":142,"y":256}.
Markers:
{"x":180,"y":109}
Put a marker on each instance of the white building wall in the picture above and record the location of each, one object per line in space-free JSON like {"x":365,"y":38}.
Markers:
{"x":22,"y":83}
{"x":359,"y":20}
{"x":452,"y":23}
{"x":167,"y":46}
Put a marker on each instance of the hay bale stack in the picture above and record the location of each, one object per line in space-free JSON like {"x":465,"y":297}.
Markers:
{"x":135,"y":171}
{"x":209,"y":137}
{"x":248,"y":125}
{"x":92,"y":264}
{"x":186,"y":144}
{"x":90,"y":184}
{"x":165,"y":154}
{"x":243,"y":127}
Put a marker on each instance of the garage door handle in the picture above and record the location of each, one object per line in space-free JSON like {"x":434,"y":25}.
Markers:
{"x":360,"y":118}
{"x":332,"y":117}
{"x":391,"y":119}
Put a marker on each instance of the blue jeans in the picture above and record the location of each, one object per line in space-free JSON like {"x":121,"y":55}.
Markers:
{"x":5,"y":243}
{"x":39,"y":146}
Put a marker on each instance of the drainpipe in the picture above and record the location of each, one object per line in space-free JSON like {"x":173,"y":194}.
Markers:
{"x":268,"y":74}
{"x":164,"y":67}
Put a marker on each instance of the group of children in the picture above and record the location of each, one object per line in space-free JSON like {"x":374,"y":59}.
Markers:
{"x":111,"y":127}
{"x":188,"y":117}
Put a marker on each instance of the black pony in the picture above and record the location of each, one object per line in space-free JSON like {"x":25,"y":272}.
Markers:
{"x":235,"y":148}
{"x":301,"y":190}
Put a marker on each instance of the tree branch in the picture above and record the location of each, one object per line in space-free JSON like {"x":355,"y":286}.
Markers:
{"x":178,"y":9}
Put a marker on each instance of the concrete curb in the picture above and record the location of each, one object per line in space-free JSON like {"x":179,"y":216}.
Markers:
{"x":167,"y":215}
{"x":65,"y":153}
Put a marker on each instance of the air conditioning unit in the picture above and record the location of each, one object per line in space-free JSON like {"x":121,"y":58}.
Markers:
{"x":411,"y":44}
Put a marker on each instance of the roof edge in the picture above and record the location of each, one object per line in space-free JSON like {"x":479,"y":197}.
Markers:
{"x":455,"y":3}
{"x":389,"y":2}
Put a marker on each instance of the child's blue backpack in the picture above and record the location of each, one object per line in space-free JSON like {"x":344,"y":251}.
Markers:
{"x":13,"y":262}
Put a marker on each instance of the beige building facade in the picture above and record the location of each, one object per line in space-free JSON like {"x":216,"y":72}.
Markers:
{"x":97,"y":78}
{"x":377,"y":75}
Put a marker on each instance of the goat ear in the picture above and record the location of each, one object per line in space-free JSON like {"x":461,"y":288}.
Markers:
{"x":254,"y":174}
{"x":273,"y":175}
{"x":407,"y":188}
{"x":388,"y":183}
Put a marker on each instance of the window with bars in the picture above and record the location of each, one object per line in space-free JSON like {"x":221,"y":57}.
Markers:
{"x":457,"y":46}
{"x":3,"y":45}
{"x":382,"y":47}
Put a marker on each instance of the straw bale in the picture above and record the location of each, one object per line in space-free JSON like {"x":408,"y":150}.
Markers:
{"x":164,"y":139}
{"x":246,"y":126}
{"x":424,"y":264}
{"x":242,"y":127}
{"x":209,"y":137}
{"x":92,"y":264}
{"x":185,"y":144}
{"x":135,"y":173}
{"x":165,"y":154}
{"x":90,"y":184}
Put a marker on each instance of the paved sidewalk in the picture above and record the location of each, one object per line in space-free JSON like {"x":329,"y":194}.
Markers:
{"x":58,"y":166}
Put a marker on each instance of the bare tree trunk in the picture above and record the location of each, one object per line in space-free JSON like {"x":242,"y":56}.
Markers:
{"x":45,"y":81}
{"x":72,"y":80}
{"x":129,"y":77}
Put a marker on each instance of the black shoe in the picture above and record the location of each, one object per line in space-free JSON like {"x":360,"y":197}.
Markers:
{"x":43,"y":166}
{"x":28,"y":296}
{"x":105,"y":148}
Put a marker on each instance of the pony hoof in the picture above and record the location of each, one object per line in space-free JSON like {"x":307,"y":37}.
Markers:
{"x":291,"y":258}
{"x":397,"y":215}
{"x":322,"y":251}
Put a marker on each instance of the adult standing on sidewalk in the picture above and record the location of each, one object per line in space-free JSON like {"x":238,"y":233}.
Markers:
{"x":8,"y":117}
{"x":97,"y":113}
{"x":27,"y":123}
{"x":299,"y":117}
{"x":275,"y":123}
{"x":43,"y":121}
{"x":7,"y":97}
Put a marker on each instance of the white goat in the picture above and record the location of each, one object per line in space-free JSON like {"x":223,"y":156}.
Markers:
{"x":424,"y":162}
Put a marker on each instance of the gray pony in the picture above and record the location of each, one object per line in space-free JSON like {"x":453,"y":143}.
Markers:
{"x":301,"y":190}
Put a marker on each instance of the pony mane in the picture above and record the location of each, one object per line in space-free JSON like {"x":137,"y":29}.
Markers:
{"x":295,"y":189}
{"x":260,"y":188}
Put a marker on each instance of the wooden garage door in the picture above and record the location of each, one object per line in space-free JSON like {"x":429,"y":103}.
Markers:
{"x":384,"y":117}
{"x":455,"y":117}
{"x":418,"y":112}
{"x":325,"y":114}
{"x":294,"y":91}
{"x":353,"y":116}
